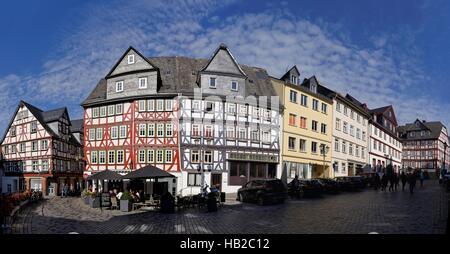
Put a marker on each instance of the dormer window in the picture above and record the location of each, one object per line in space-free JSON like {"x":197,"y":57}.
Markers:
{"x":314,"y":88}
{"x":130,"y":59}
{"x":142,"y":83}
{"x":294,"y":79}
{"x":212,"y":82}
{"x":119,"y":86}
{"x":234,"y":85}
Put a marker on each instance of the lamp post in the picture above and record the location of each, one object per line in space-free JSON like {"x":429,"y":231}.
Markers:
{"x":444,"y":170}
{"x":324,"y":149}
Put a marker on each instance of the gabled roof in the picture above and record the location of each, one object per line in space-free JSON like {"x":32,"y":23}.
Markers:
{"x":54,"y":115}
{"x":222,"y":46}
{"x":179,"y":75}
{"x":148,"y":172}
{"x":77,"y":126}
{"x":434,"y":127}
{"x":380,"y":110}
{"x":124,"y":54}
{"x":287,"y":74}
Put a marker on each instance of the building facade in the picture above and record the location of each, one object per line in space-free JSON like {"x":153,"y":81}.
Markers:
{"x":306,"y":127}
{"x":40,"y":152}
{"x":385,"y":146}
{"x":425,"y":145}
{"x":350,"y":153}
{"x":180,"y":115}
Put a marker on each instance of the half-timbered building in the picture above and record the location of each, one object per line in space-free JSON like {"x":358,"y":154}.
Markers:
{"x":174,"y":113}
{"x":40,"y":152}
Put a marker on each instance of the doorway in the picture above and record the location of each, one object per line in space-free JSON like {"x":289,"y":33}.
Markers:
{"x":216,"y":180}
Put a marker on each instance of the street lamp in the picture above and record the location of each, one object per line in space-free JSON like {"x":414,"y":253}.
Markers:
{"x":445,"y":152}
{"x":324,"y":149}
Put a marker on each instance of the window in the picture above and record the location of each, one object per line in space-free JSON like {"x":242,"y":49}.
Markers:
{"x":315,"y":104}
{"x":195,"y":130}
{"x":150,"y":156}
{"x":358,"y":133}
{"x":142,"y":129}
{"x":292,"y":119}
{"x":194,"y":179}
{"x":101,"y":157}
{"x":230,"y":132}
{"x":345,"y":111}
{"x":234,"y":86}
{"x":141,"y":156}
{"x":208,"y":157}
{"x":294,"y":79}
{"x":169,"y":105}
{"x":111,"y":157}
{"x":114,"y":132}
{"x":131,"y":59}
{"x":159,"y":105}
{"x":231,"y":108}
{"x":91,"y":134}
{"x":243,"y":110}
{"x":169,"y":130}
{"x":159,"y":156}
{"x":99,"y":133}
{"x":142,"y":83}
{"x":336,"y":145}
{"x":208,"y":131}
{"x":304,"y":100}
{"x":119,"y":109}
{"x":94,"y":157}
{"x":35,"y":165}
{"x":291,"y":143}
{"x":13,"y":131}
{"x":196,"y":105}
{"x":358,"y":118}
{"x":352,"y":114}
{"x":344,"y":147}
{"x":314,"y":125}
{"x":44,"y":145}
{"x":212,"y":82}
{"x":338,"y":124}
{"x":302,"y":145}
{"x":324,"y":108}
{"x":160,"y":130}
{"x":338,"y":107}
{"x":33,"y":127}
{"x":195,"y":157}
{"x":254,"y":135}
{"x":242,"y":133}
{"x":209,"y":106}
{"x":314,"y":147}
{"x":111,"y":110}
{"x":323,"y":128}
{"x":123,"y":131}
{"x":352,"y":131}
{"x":44,"y":165}
{"x":293,"y":96}
{"x":119,"y":86}
{"x":357,"y":151}
{"x":141,"y":106}
{"x":34,"y":146}
{"x":95,"y":112}
{"x":103,"y":111}
{"x":364,"y":136}
{"x":363,"y":153}
{"x":344,"y":127}
{"x":168,"y":156}
{"x":13,"y":149}
{"x":266,"y":136}
{"x":120,"y":157}
{"x":350,"y":149}
{"x":303,"y":122}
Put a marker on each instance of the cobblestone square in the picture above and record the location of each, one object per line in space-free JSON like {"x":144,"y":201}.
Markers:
{"x":424,"y":212}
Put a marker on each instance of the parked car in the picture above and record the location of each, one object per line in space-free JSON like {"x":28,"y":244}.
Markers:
{"x":369,"y":178}
{"x":263,"y":191}
{"x":351,"y":182}
{"x":307,"y":188}
{"x":329,"y":185}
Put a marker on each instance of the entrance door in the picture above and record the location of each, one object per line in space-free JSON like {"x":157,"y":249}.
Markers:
{"x":216,"y":180}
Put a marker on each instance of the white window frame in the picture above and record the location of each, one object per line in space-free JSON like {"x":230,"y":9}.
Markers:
{"x":95,"y":112}
{"x":44,"y":145}
{"x":160,"y":130}
{"x":169,"y":130}
{"x":101,"y":155}
{"x":94,"y":157}
{"x":142,"y":130}
{"x":159,"y":105}
{"x":150,"y":105}
{"x":151,"y":130}
{"x":141,"y":106}
{"x":210,"y":83}
{"x":169,"y":105}
{"x":119,"y":86}
{"x":103,"y":111}
{"x":131,"y":59}
{"x":99,"y":134}
{"x":113,"y":153}
{"x":158,"y":154}
{"x":119,"y":109}
{"x":114,"y":132}
{"x":91,"y":134}
{"x":120,"y":156}
{"x":111,"y":109}
{"x":123,"y":128}
{"x":168,"y":153}
{"x":143,"y":82}
{"x":237,"y":85}
{"x":150,"y":156}
{"x":142,"y":156}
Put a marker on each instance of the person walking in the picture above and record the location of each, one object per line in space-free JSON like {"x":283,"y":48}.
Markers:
{"x":396,"y":181}
{"x":422,"y":177}
{"x":404,"y":179}
{"x":377,"y":181}
{"x":384,"y":182}
{"x":391,"y":182}
{"x":412,"y":182}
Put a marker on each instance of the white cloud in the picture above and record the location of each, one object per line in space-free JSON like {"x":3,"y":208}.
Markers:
{"x":274,"y":40}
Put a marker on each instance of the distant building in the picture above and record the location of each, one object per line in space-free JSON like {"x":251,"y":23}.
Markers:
{"x":425,"y":144}
{"x":40,"y":152}
{"x":385,"y":146}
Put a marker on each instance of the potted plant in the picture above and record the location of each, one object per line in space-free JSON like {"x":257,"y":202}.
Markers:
{"x":126,"y":201}
{"x":86,"y":196}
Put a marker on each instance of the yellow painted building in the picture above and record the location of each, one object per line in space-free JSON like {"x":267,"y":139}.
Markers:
{"x":306,"y":127}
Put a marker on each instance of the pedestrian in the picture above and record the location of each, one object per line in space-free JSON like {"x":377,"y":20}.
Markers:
{"x":412,"y":182}
{"x":422,"y":177}
{"x":396,"y":181}
{"x":377,"y":181}
{"x":391,"y":182}
{"x":404,"y":179}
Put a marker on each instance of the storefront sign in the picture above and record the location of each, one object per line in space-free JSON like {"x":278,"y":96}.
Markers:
{"x":253,"y":157}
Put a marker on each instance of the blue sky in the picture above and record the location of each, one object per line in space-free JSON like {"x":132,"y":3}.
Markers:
{"x":383,"y":52}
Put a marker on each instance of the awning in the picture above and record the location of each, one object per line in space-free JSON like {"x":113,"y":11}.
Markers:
{"x":105,"y":175}
{"x":148,"y":172}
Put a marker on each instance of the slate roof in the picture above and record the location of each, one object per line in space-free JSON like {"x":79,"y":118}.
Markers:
{"x":105,"y":175}
{"x":434,"y":127}
{"x":179,"y":75}
{"x":148,"y":172}
{"x":77,"y":126}
{"x":379,"y":110}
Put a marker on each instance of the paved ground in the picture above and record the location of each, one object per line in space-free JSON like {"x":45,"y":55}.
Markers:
{"x":350,"y":212}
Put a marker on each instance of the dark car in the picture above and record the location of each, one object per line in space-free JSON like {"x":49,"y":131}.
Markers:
{"x":329,"y":185}
{"x":307,"y":188}
{"x":263,"y":191}
{"x":369,"y":178}
{"x":351,"y":182}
